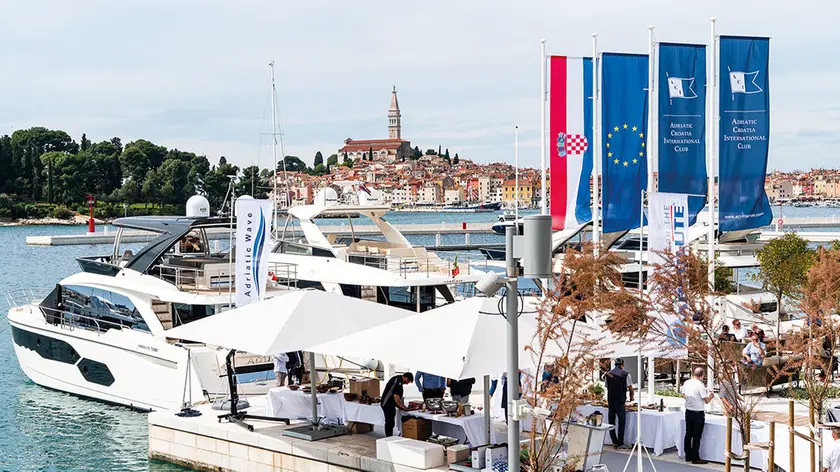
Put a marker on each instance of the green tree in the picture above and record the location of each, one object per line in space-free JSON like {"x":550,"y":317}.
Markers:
{"x":430,"y":152}
{"x":370,"y":154}
{"x":27,"y":147}
{"x":784,"y":264}
{"x":455,"y":160}
{"x":345,"y":157}
{"x":152,"y":185}
{"x":319,"y":159}
{"x":154,"y":153}
{"x":175,"y":176}
{"x":416,"y":154}
{"x":135,"y":165}
{"x":7,"y":175}
{"x":332,"y":160}
{"x":251,"y":183}
{"x":199,"y":167}
{"x":84,"y":145}
{"x":293,"y":164}
{"x":438,"y":153}
{"x":320,"y":169}
{"x":216,"y":182}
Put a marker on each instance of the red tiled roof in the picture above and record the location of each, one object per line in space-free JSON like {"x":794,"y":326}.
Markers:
{"x":351,"y":145}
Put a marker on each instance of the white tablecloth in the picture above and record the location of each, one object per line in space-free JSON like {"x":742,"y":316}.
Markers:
{"x":713,"y":441}
{"x":284,"y":403}
{"x":359,"y":413}
{"x":659,"y":430}
{"x":466,"y":428}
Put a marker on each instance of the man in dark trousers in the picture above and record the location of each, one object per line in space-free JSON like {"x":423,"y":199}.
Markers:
{"x":618,"y":382}
{"x":696,"y":398}
{"x":393,"y":399}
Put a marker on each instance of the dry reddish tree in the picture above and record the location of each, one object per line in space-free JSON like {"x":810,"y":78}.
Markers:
{"x":682,"y":316}
{"x":815,"y":337}
{"x":568,"y":347}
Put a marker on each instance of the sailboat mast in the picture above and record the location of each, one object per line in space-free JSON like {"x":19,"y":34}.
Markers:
{"x":274,"y":144}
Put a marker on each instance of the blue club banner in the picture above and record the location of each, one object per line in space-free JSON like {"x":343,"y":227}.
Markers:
{"x":624,"y":121}
{"x":744,"y":132}
{"x":682,"y":123}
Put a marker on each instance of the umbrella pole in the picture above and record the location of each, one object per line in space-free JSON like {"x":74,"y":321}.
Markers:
{"x":314,"y":394}
{"x":487,"y":408}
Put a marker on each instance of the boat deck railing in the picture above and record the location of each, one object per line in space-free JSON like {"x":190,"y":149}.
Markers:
{"x":431,"y":265}
{"x":218,"y":280}
{"x":69,"y":320}
{"x":25,"y":296}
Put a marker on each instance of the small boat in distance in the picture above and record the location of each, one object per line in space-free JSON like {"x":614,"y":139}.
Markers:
{"x":479,"y":208}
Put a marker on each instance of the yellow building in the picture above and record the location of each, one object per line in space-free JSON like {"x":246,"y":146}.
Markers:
{"x":528,"y":191}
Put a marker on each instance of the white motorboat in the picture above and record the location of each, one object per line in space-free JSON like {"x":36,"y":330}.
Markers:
{"x":383,"y":267}
{"x":101,"y":333}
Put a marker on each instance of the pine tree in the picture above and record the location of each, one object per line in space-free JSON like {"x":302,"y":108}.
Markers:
{"x":370,"y":154}
{"x":456,"y":160}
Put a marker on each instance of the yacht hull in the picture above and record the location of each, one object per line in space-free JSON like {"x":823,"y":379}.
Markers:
{"x":122,"y":367}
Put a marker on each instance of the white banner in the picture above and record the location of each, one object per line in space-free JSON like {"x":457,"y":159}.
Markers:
{"x":667,"y":224}
{"x":253,"y":228}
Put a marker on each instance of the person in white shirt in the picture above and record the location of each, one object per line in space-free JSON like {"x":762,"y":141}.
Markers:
{"x":696,"y":397}
{"x":739,"y":331}
{"x":831,"y":459}
{"x":280,"y":370}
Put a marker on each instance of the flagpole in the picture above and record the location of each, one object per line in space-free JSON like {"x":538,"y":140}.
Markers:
{"x":711,"y":145}
{"x":651,"y":144}
{"x":596,"y":150}
{"x":516,"y":176}
{"x":543,"y":192}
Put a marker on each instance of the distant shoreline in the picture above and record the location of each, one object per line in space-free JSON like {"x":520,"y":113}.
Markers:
{"x":77,"y":220}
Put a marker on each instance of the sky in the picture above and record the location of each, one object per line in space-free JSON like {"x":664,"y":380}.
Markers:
{"x":194,"y":75}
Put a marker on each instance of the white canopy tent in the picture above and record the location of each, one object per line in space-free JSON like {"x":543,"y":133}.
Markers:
{"x":289,"y":322}
{"x":459,"y":340}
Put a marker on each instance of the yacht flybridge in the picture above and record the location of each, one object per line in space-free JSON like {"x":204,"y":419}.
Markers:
{"x":383,"y":266}
{"x":101,"y":333}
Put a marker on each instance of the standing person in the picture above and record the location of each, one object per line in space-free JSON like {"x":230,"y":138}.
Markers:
{"x":739,"y":331}
{"x":460,"y":389}
{"x":618,"y":382}
{"x":280,"y":370}
{"x":295,"y":367}
{"x":696,"y":397}
{"x":430,"y":386}
{"x":831,"y":456}
{"x":393,"y":399}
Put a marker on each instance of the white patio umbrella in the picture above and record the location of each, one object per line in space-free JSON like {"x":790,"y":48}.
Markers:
{"x":459,"y":340}
{"x":288,"y":322}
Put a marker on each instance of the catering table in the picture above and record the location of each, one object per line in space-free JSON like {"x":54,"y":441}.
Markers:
{"x":295,"y":404}
{"x":659,"y":430}
{"x":468,"y":429}
{"x":713,"y":442}
{"x":359,"y":413}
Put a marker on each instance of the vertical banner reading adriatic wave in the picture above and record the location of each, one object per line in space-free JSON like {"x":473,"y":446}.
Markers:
{"x":570,"y":136}
{"x":253,"y":225}
{"x":668,"y":223}
{"x":682,"y":122}
{"x":624,"y":124}
{"x":744,"y":132}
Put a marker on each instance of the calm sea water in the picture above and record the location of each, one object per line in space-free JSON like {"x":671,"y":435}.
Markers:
{"x":45,"y":430}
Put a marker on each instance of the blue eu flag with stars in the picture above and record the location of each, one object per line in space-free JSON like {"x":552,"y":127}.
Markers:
{"x":624,"y":138}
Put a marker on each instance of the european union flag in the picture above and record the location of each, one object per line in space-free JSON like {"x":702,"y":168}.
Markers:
{"x":624,"y":134}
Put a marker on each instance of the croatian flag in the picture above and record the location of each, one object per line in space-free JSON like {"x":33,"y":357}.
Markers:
{"x":570,"y":138}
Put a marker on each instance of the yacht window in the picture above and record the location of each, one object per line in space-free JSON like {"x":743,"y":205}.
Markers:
{"x":192,"y":243}
{"x":406,"y":297}
{"x":97,"y":309}
{"x":287,"y":247}
{"x":187,"y":313}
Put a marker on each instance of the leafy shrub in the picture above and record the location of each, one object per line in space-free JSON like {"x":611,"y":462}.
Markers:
{"x":61,"y":212}
{"x":33,"y":211}
{"x":668,"y":392}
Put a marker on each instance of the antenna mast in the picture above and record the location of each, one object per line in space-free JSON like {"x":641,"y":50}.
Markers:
{"x":274,"y":134}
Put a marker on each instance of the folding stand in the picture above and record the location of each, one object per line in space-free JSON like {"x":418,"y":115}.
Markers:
{"x":235,"y":416}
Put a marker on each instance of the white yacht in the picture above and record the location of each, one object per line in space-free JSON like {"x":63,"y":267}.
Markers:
{"x":379,"y":265}
{"x":101,"y":333}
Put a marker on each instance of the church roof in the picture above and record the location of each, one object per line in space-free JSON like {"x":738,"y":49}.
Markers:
{"x":351,"y":145}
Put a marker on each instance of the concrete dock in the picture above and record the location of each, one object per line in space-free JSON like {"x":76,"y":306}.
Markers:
{"x":107,"y":237}
{"x":202,"y":443}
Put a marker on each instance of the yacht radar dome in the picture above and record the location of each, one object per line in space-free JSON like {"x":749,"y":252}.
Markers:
{"x":198,"y":206}
{"x":326,"y":196}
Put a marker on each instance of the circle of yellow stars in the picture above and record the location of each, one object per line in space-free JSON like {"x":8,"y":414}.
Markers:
{"x":624,"y":161}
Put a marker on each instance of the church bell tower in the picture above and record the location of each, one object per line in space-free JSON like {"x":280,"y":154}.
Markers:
{"x":394,"y":128}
